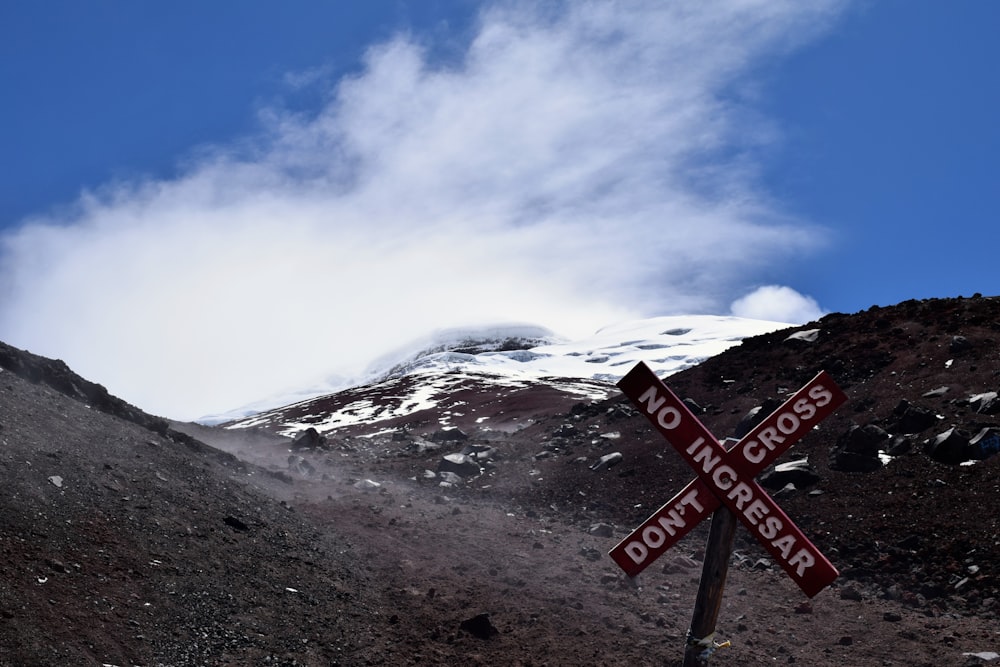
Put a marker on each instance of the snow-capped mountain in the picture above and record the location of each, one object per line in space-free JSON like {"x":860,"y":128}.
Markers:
{"x":666,"y":344}
{"x":440,"y":374}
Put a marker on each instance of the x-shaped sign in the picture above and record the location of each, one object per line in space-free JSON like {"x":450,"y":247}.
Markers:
{"x":727,"y":477}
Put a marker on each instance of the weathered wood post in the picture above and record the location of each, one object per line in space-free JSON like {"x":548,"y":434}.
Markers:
{"x":701,"y":636}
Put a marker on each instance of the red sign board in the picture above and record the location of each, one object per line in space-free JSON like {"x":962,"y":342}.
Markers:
{"x":727,"y":477}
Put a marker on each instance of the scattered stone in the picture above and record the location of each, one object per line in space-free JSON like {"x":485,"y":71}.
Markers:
{"x":891,"y":617}
{"x":566,"y":431}
{"x":602,"y":530}
{"x":931,"y":591}
{"x":367,"y":485}
{"x":56,"y":481}
{"x":909,"y":418}
{"x":460,"y":464}
{"x":481,"y":453}
{"x":959,"y":344}
{"x":236,"y":524}
{"x":807,"y":336}
{"x":857,"y":449}
{"x":57,"y":566}
{"x":846,"y":640}
{"x":936,"y":393}
{"x":785,"y":491}
{"x":804,"y":608}
{"x":899,"y":445}
{"x":450,"y":479}
{"x":755,"y":416}
{"x":985,"y":403}
{"x":680,"y":564}
{"x":799,"y":472}
{"x":452,"y":434}
{"x":850,"y":593}
{"x":607,"y":461}
{"x":420,"y":446}
{"x":693,"y":406}
{"x":480,"y":626}
{"x":985,"y":656}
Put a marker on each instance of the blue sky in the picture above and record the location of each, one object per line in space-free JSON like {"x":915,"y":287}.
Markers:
{"x":188,"y":184}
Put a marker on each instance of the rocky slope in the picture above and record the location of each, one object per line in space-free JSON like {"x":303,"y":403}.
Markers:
{"x":438,"y":537}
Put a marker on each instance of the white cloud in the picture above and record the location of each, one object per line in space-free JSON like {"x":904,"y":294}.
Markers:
{"x":777,"y":303}
{"x":572,"y":168}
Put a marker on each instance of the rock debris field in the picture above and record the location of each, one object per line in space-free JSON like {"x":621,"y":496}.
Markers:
{"x":130,"y":540}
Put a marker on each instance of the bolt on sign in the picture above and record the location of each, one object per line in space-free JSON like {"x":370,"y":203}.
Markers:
{"x":726,"y":478}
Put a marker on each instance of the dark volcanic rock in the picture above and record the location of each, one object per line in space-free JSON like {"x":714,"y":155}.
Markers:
{"x":986,"y":403}
{"x":857,"y":449}
{"x":952,"y":447}
{"x":756,"y":415}
{"x":460,"y":464}
{"x":480,"y":626}
{"x":798,"y":472}
{"x":607,"y":461}
{"x":449,"y":435}
{"x":909,"y":418}
{"x":309,"y":439}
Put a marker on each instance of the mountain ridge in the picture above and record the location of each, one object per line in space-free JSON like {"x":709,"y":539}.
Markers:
{"x":526,"y":353}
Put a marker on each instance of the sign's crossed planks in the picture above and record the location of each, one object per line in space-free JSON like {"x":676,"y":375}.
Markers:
{"x":727,"y":477}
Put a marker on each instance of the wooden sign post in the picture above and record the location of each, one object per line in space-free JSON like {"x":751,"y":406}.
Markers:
{"x":725,"y":485}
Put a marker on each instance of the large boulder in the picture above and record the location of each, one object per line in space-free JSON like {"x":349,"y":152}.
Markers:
{"x":857,"y":450}
{"x":908,"y":418}
{"x":309,"y":439}
{"x":950,"y":447}
{"x":986,"y":403}
{"x":460,"y":464}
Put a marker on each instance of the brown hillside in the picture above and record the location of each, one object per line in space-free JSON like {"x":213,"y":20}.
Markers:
{"x":129,"y":542}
